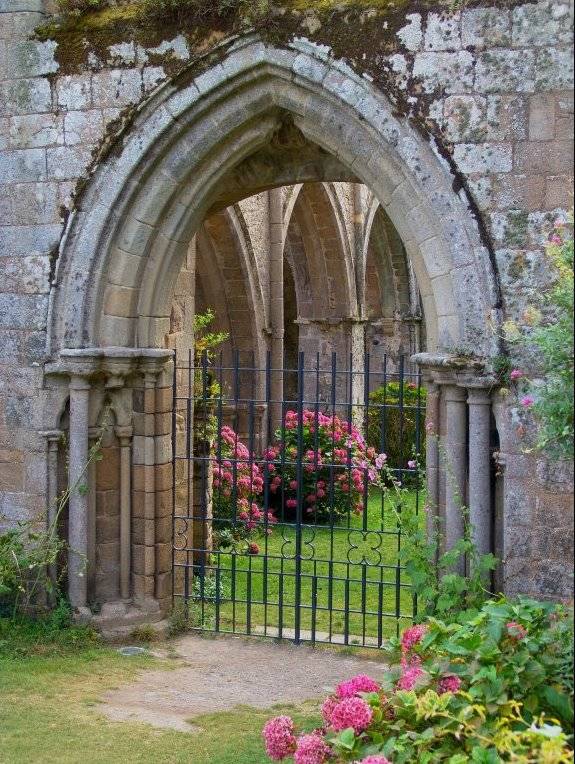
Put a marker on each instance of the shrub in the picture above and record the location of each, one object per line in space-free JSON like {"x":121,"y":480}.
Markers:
{"x":338,"y":467}
{"x":79,"y":7}
{"x":553,"y":400}
{"x":492,"y":690}
{"x":238,"y":486}
{"x":399,"y":424}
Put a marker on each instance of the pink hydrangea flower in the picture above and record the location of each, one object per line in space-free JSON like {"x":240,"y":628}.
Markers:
{"x":516,"y":374}
{"x":527,"y":401}
{"x":376,"y":760}
{"x":412,"y":464}
{"x":412,"y":637}
{"x":327,"y":709}
{"x":449,"y":683}
{"x":351,"y":712}
{"x":360,"y":683}
{"x":380,"y":461}
{"x":311,"y":749}
{"x":516,"y":631}
{"x":410,"y":677}
{"x":279,"y":738}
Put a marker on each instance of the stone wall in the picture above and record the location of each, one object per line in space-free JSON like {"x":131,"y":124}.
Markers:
{"x":490,"y":87}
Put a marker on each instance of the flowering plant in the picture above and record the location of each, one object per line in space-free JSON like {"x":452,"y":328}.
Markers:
{"x":338,"y":466}
{"x":488,"y":691}
{"x":238,"y":487}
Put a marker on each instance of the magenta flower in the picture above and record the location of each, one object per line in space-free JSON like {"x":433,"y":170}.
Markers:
{"x":361,"y":683}
{"x":279,"y":738}
{"x":327,"y":709}
{"x":516,"y":374}
{"x":449,"y":683}
{"x":376,"y":760}
{"x":412,"y":637}
{"x":311,"y":749}
{"x":412,"y":464}
{"x":380,"y":461}
{"x":351,"y":712}
{"x":410,"y":678}
{"x":527,"y":401}
{"x":516,"y":631}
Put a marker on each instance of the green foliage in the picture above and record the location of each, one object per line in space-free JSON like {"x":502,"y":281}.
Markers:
{"x":80,"y":7}
{"x":398,"y":422}
{"x":493,"y":689}
{"x":52,"y":634}
{"x":554,"y":340}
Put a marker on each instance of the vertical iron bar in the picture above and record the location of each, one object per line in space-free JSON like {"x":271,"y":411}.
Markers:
{"x":299,"y":526}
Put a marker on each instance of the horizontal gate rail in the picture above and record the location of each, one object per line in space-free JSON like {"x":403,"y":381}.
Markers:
{"x":285,"y":515}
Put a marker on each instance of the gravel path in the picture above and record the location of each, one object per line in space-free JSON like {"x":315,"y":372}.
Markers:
{"x":223,"y":673}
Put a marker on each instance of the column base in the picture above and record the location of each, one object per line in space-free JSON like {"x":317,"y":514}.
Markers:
{"x":117,"y":620}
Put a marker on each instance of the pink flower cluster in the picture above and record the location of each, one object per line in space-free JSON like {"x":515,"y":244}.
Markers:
{"x":311,"y":749}
{"x":411,"y":671}
{"x":351,"y":712}
{"x":516,"y":631}
{"x":449,"y":683}
{"x":278,"y":735}
{"x":412,"y":637}
{"x":360,"y":683}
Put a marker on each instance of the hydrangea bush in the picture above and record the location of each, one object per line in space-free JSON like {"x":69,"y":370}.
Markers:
{"x":495,"y":689}
{"x":338,"y":467}
{"x":238,"y":487}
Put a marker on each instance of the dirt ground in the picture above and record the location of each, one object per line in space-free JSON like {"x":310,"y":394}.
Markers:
{"x":220,"y":674}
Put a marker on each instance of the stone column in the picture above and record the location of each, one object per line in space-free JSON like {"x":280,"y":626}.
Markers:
{"x":455,"y":466}
{"x":276,"y":268}
{"x":480,"y":469}
{"x":94,"y":433}
{"x":124,"y":435}
{"x":78,"y":506}
{"x":53,"y":438}
{"x":432,"y":453}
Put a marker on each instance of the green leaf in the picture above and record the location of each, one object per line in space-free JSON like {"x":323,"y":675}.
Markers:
{"x":559,"y":702}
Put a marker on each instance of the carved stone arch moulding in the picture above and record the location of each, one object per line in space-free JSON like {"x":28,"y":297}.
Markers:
{"x":126,"y":240}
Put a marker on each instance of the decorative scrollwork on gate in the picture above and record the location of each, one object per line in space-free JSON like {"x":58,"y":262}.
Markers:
{"x":365,"y":548}
{"x":181,"y":534}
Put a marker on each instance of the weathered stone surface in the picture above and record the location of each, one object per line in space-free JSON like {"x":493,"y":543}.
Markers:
{"x":443,"y":33}
{"x":28,"y":58}
{"x":485,"y":28}
{"x":22,"y":166}
{"x":500,"y":71}
{"x":465,"y":118}
{"x":554,"y":69}
{"x":452,"y":72}
{"x":485,"y":157}
{"x":542,"y":24}
{"x":411,"y":35}
{"x":25,"y":96}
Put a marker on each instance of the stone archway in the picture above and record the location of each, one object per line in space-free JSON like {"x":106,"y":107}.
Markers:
{"x":259,"y":119}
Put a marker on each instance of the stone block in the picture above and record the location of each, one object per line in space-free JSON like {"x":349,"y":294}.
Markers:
{"x":29,"y":203}
{"x":483,"y":157}
{"x":465,"y":118}
{"x":21,"y":25}
{"x":143,"y":587}
{"x":35,"y":131}
{"x":554,"y":69}
{"x":163,"y":477}
{"x":164,"y":503}
{"x":500,"y":71}
{"x":543,"y":157}
{"x":108,"y":469}
{"x":17,"y":241}
{"x":164,"y":590}
{"x":163,"y":558}
{"x":143,"y":560}
{"x":510,"y":229}
{"x":451,"y":72}
{"x":559,"y":192}
{"x":28,"y":275}
{"x":23,"y":166}
{"x":108,"y":502}
{"x":443,"y":32}
{"x":83,"y":127}
{"x":144,"y":530}
{"x":25,"y":96}
{"x":485,"y":28}
{"x":66,"y":162}
{"x":542,"y":117}
{"x":411,"y":35}
{"x":542,"y":24}
{"x":121,"y":301}
{"x":108,"y":557}
{"x":11,"y":477}
{"x":117,"y":87}
{"x":28,"y":58}
{"x":22,"y":6}
{"x":19,"y":311}
{"x":74,"y":92}
{"x":525,"y":192}
{"x":164,"y":529}
{"x":507,"y":118}
{"x":107,"y":528}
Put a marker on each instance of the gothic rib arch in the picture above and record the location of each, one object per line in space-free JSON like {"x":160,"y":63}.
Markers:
{"x":134,"y":222}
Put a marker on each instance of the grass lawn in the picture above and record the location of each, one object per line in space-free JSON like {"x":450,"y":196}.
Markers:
{"x":349,"y":575}
{"x":49,"y":712}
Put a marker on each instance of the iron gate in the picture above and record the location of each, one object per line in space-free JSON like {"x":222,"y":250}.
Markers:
{"x":286,"y":522}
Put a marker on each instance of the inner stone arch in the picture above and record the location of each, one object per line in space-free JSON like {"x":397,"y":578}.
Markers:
{"x":166,"y":203}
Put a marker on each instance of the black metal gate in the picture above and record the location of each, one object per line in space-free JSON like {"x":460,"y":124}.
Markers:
{"x":285,"y":516}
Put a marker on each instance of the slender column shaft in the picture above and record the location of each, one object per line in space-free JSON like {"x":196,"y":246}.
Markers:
{"x":53,"y":438}
{"x":432,"y":454}
{"x":276,"y":260}
{"x":124,"y":435}
{"x":456,"y":463}
{"x":78,"y":507}
{"x":480,"y":469}
{"x":93,"y":435}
